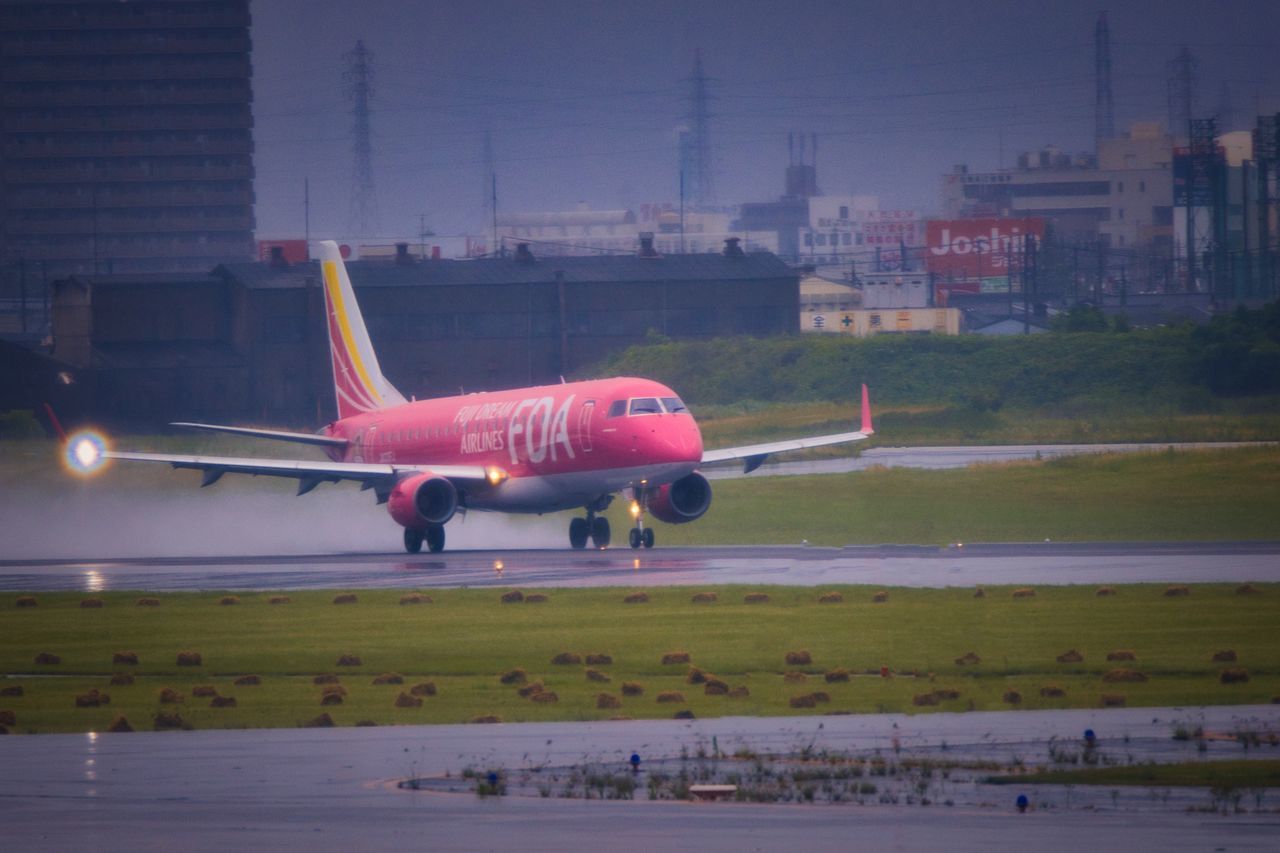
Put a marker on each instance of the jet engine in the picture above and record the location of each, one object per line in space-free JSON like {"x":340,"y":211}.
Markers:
{"x":422,"y":499}
{"x":684,"y":500}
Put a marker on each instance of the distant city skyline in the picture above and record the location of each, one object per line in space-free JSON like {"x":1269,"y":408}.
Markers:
{"x":584,"y":101}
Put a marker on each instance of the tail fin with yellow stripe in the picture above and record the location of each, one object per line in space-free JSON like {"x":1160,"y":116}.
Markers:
{"x":358,"y":383}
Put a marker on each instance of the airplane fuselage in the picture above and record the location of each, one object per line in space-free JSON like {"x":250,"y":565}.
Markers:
{"x":559,"y":446}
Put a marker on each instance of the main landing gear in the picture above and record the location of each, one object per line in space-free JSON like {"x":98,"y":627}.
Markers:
{"x":433,"y":535}
{"x":593,"y":527}
{"x":639,"y":535}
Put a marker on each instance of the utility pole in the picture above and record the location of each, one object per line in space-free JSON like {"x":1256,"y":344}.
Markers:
{"x":306,"y":213}
{"x":1028,"y":254}
{"x":682,"y":210}
{"x":490,"y":190}
{"x":1075,"y":272}
{"x":22,"y":292}
{"x":493,"y":189}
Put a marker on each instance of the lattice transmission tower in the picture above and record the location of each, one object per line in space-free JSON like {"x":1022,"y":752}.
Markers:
{"x":696,"y":158}
{"x":1104,"y":106}
{"x":359,"y":90}
{"x":1183,"y":75}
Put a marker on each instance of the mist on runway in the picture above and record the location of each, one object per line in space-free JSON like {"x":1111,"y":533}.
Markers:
{"x":99,"y":521}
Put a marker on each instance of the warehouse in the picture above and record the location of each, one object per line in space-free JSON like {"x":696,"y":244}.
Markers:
{"x":247,"y":341}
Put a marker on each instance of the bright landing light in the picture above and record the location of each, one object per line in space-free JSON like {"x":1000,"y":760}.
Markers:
{"x":84,"y":453}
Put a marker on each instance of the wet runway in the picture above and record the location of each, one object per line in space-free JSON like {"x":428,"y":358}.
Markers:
{"x":336,"y":789}
{"x":897,"y":565}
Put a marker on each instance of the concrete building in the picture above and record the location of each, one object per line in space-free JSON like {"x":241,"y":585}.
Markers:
{"x":1123,"y":197}
{"x":125,"y":137}
{"x":247,"y":342}
{"x":824,"y":302}
{"x":886,"y":303}
{"x":585,"y":232}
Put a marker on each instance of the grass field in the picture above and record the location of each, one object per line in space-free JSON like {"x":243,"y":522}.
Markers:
{"x":465,"y":640}
{"x":1075,"y":422}
{"x":1181,"y":496}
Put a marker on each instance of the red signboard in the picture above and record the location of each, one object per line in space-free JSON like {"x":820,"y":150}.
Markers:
{"x":295,"y":251}
{"x":970,"y":250}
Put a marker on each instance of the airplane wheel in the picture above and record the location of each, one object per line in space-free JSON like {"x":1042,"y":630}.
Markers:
{"x":435,"y":538}
{"x":579,"y":530}
{"x":412,"y":540}
{"x":600,"y":532}
{"x":634,"y":538}
{"x":647,"y":537}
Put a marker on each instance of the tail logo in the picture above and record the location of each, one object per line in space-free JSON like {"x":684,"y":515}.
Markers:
{"x":358,"y":383}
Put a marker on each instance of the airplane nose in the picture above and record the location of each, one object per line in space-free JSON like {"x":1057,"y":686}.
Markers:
{"x":684,"y":442}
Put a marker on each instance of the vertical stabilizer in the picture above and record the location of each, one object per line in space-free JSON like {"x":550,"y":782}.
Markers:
{"x":358,"y":383}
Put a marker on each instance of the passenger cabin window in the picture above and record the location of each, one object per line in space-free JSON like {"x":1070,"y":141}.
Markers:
{"x":673,"y":405}
{"x":645,"y":406}
{"x":617,"y":408}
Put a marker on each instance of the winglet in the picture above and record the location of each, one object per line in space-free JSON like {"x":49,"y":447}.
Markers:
{"x":866,"y":412}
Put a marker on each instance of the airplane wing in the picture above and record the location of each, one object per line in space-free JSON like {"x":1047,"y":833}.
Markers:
{"x":753,"y":455}
{"x":308,"y":474}
{"x":278,"y":435}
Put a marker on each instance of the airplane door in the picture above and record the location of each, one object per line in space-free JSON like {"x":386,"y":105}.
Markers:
{"x":584,"y":425}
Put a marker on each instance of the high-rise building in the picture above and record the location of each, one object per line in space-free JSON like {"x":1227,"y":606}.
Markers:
{"x":125,"y":135}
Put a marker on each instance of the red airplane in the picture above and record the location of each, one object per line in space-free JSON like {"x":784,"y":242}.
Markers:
{"x":529,"y":450}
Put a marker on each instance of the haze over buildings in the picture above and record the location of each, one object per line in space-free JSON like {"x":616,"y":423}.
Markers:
{"x":587,"y":102}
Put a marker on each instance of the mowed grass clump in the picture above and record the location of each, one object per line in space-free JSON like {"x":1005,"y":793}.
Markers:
{"x":466,"y":640}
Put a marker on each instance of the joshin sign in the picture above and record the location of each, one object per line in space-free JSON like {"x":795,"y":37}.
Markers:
{"x":974,"y":249}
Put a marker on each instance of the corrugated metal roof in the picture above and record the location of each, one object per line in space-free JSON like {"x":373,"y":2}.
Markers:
{"x":605,"y":269}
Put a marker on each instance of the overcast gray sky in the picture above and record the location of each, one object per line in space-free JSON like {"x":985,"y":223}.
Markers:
{"x":583,"y":98}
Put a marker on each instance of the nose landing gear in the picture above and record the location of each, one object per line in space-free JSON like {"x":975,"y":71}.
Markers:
{"x":639,"y":536}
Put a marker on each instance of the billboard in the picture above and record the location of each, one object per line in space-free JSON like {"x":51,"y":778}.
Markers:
{"x":295,"y":251}
{"x":977,"y":250}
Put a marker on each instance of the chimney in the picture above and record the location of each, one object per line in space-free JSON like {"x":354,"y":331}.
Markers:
{"x":523,"y":255}
{"x":278,"y":260}
{"x":403,"y":258}
{"x":732,"y":249}
{"x":646,"y":245}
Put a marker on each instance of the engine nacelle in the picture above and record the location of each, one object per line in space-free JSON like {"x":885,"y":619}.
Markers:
{"x":687,"y":499}
{"x":422,"y":499}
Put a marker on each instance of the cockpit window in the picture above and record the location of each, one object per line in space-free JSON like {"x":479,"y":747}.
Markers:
{"x":617,"y":408}
{"x":645,"y":406}
{"x":673,"y":405}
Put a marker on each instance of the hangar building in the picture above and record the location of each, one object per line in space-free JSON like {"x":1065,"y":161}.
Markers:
{"x":247,"y":341}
